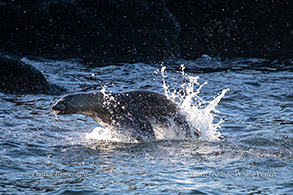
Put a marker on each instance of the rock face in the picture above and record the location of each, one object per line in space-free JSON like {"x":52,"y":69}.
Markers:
{"x":144,"y":30}
{"x":234,"y":28}
{"x":20,"y":78}
{"x":106,"y":30}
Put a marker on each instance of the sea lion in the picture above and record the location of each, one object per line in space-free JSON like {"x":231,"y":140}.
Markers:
{"x":134,"y":111}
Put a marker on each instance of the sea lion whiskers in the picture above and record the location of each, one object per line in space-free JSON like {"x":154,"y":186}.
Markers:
{"x":55,"y":112}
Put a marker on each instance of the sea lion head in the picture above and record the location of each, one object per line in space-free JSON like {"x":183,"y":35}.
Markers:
{"x":68,"y":104}
{"x":76,"y":103}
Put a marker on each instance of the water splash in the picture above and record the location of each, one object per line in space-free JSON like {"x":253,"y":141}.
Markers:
{"x":106,"y":133}
{"x":199,"y":113}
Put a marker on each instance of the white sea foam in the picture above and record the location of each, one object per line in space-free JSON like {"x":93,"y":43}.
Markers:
{"x":108,"y":134}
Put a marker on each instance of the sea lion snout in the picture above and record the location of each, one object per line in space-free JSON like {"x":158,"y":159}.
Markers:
{"x":59,"y":107}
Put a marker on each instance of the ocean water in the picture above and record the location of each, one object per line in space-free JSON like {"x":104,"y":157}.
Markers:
{"x":243,"y":108}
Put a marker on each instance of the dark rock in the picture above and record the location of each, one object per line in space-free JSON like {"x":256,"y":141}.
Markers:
{"x":145,"y":30}
{"x":234,"y":28}
{"x":105,"y":30}
{"x":20,"y":78}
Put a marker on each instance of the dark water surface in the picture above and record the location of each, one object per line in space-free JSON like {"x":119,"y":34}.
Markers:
{"x":254,"y":156}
